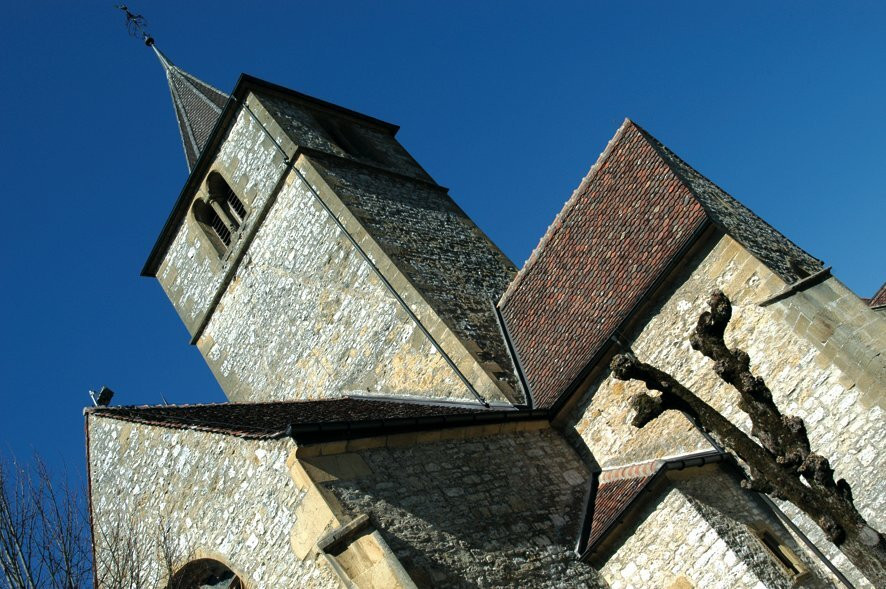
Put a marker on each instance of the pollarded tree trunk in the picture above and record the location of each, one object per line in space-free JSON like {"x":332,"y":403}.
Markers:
{"x":782,"y":463}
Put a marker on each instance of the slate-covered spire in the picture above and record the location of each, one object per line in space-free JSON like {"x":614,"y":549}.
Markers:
{"x":197,"y":105}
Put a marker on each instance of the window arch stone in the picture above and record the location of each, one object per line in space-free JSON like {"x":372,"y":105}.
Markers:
{"x":205,"y":573}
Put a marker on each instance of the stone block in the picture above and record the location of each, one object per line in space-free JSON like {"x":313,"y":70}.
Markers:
{"x":336,"y":467}
{"x":530,"y":426}
{"x":820,"y":329}
{"x":336,"y":447}
{"x":453,"y":433}
{"x":402,"y":440}
{"x":366,"y":443}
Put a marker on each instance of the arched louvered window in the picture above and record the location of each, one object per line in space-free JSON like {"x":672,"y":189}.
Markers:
{"x":222,"y":214}
{"x":213,"y":226}
{"x":232,"y":207}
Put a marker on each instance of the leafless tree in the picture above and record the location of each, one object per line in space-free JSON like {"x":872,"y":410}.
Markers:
{"x":782,"y":464}
{"x":132,"y":554}
{"x":45,"y":538}
{"x":44,"y":533}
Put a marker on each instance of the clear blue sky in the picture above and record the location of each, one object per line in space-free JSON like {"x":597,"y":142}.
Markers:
{"x":506,"y":103}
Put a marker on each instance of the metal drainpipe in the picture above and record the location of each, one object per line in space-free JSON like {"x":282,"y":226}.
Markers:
{"x":366,"y":257}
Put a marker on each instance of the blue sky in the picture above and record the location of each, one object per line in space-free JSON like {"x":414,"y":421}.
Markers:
{"x":506,"y":103}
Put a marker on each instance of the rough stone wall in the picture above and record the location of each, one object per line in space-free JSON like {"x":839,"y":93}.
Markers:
{"x":700,"y":531}
{"x":297,"y":120}
{"x":844,"y":414}
{"x":435,"y":244}
{"x":493,"y":511}
{"x":192,"y":271}
{"x":218,"y":496}
{"x":305,"y":317}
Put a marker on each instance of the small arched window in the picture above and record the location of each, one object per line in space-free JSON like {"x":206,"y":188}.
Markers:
{"x":213,"y":226}
{"x":220,"y":192}
{"x":222,"y":214}
{"x":205,"y":573}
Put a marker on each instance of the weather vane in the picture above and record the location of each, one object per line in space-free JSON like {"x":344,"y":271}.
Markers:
{"x":136,"y":25}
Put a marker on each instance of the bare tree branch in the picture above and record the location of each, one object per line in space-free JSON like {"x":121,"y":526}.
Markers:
{"x":782,"y":464}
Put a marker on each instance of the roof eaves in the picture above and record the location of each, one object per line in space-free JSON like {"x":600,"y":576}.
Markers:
{"x":254,"y":82}
{"x":653,"y":472}
{"x":312,"y":432}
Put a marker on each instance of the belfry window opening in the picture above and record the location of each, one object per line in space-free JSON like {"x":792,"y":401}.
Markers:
{"x":221,"y":214}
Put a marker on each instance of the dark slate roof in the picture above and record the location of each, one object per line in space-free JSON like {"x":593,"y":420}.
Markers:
{"x":273,"y":420}
{"x":879,"y":298}
{"x":761,"y":239}
{"x":612,"y":500}
{"x":197,"y":107}
{"x":624,"y":227}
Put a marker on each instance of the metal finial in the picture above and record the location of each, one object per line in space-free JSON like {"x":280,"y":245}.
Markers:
{"x":136,"y":25}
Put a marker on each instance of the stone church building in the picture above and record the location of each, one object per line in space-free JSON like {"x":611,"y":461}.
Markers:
{"x":407,"y":408}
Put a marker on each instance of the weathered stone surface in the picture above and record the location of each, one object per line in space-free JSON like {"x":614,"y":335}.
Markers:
{"x":305,"y":317}
{"x":218,"y":496}
{"x":495,"y":511}
{"x":702,"y":530}
{"x":805,"y":380}
{"x":458,"y":270}
{"x":191,"y":271}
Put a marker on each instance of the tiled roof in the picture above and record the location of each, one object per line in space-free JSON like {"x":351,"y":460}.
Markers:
{"x":761,"y":239}
{"x":625,"y":225}
{"x":197,"y":107}
{"x":612,"y":499}
{"x":629,"y":217}
{"x":272,"y":420}
{"x":879,"y":298}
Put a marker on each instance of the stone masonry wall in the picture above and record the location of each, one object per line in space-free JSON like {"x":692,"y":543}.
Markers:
{"x":700,"y":532}
{"x":218,"y":496}
{"x":443,"y":253}
{"x":192,"y":271}
{"x":844,"y":413}
{"x":495,"y":511}
{"x":305,"y":317}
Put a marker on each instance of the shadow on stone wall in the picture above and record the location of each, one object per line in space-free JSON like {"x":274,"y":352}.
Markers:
{"x":476,"y":513}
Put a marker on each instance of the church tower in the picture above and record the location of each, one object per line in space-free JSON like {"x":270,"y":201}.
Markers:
{"x":310,"y":256}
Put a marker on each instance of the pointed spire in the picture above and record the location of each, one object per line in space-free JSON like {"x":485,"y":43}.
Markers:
{"x":197,"y":105}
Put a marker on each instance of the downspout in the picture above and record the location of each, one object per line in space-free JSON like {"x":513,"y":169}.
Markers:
{"x":515,"y":356}
{"x":805,"y":539}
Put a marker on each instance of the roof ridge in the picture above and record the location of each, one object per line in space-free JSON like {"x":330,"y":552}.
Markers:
{"x":632,"y":471}
{"x":694,"y":181}
{"x":567,"y":207}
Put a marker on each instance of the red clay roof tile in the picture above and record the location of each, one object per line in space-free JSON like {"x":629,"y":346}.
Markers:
{"x":622,"y":229}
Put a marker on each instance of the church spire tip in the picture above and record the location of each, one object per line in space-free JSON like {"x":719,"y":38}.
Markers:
{"x":197,"y":104}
